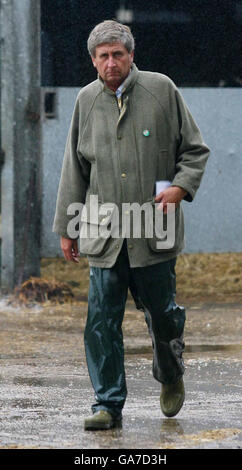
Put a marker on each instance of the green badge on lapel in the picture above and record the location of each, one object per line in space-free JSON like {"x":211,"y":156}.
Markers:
{"x":146,"y":133}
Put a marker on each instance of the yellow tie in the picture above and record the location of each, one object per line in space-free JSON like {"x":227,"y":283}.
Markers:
{"x":120,"y":103}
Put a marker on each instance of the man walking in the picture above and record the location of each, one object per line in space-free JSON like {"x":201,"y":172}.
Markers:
{"x":130,"y":129}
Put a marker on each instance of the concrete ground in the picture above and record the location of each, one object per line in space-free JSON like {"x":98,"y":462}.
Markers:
{"x":45,"y":391}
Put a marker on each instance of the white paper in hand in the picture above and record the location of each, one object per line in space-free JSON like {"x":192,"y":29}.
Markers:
{"x":161,"y":186}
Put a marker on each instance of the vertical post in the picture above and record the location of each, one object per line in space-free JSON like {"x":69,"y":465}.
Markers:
{"x":21,"y":141}
{"x":1,"y":152}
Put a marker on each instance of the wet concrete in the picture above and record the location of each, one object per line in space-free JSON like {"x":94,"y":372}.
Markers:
{"x":45,"y":391}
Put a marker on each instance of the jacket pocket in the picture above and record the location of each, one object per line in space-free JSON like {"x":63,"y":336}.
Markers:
{"x":168,"y":231}
{"x":96,"y":229}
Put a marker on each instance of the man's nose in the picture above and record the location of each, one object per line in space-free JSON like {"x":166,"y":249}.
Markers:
{"x":111,"y":61}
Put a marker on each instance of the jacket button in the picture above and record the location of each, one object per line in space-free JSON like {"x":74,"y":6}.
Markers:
{"x":130,"y":246}
{"x":123,"y":175}
{"x":119,"y":137}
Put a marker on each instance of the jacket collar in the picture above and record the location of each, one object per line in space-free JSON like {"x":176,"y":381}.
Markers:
{"x":127,"y":84}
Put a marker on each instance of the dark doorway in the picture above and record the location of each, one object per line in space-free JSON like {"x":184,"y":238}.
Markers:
{"x":195,"y":42}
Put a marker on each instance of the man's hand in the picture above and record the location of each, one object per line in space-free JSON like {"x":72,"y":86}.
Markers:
{"x":172,"y":194}
{"x":70,"y":249}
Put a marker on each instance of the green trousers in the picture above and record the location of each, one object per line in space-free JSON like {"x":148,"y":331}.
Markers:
{"x":153,"y":289}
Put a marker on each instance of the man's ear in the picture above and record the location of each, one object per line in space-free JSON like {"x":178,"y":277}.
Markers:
{"x":132,"y":56}
{"x":93,"y":61}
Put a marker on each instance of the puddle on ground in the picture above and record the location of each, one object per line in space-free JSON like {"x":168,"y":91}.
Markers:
{"x":46,"y":381}
{"x":18,"y":407}
{"x":181,"y":440}
{"x":213,"y":434}
{"x":26,"y":403}
{"x":190,"y":348}
{"x":213,"y":347}
{"x":172,"y":427}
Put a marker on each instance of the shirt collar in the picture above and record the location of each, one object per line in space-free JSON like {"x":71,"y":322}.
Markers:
{"x":119,"y":90}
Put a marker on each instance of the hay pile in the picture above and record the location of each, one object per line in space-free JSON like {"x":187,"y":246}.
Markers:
{"x":36,"y":290}
{"x":210,"y":277}
{"x":76,"y":275}
{"x":201,"y":277}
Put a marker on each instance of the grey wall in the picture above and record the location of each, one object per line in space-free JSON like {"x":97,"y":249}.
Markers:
{"x":54,"y":137}
{"x":213,"y":219}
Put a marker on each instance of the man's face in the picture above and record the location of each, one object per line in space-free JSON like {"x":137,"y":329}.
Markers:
{"x":113,"y":63}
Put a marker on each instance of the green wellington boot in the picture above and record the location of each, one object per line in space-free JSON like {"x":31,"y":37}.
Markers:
{"x":101,"y":420}
{"x":172,"y":398}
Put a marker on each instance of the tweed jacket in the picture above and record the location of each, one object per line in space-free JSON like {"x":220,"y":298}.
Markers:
{"x":119,"y":156}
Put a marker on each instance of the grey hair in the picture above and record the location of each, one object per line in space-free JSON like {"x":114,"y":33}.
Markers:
{"x":110,"y":31}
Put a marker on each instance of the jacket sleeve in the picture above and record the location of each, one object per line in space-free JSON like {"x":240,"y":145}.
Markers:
{"x":74,"y":179}
{"x":192,"y":152}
